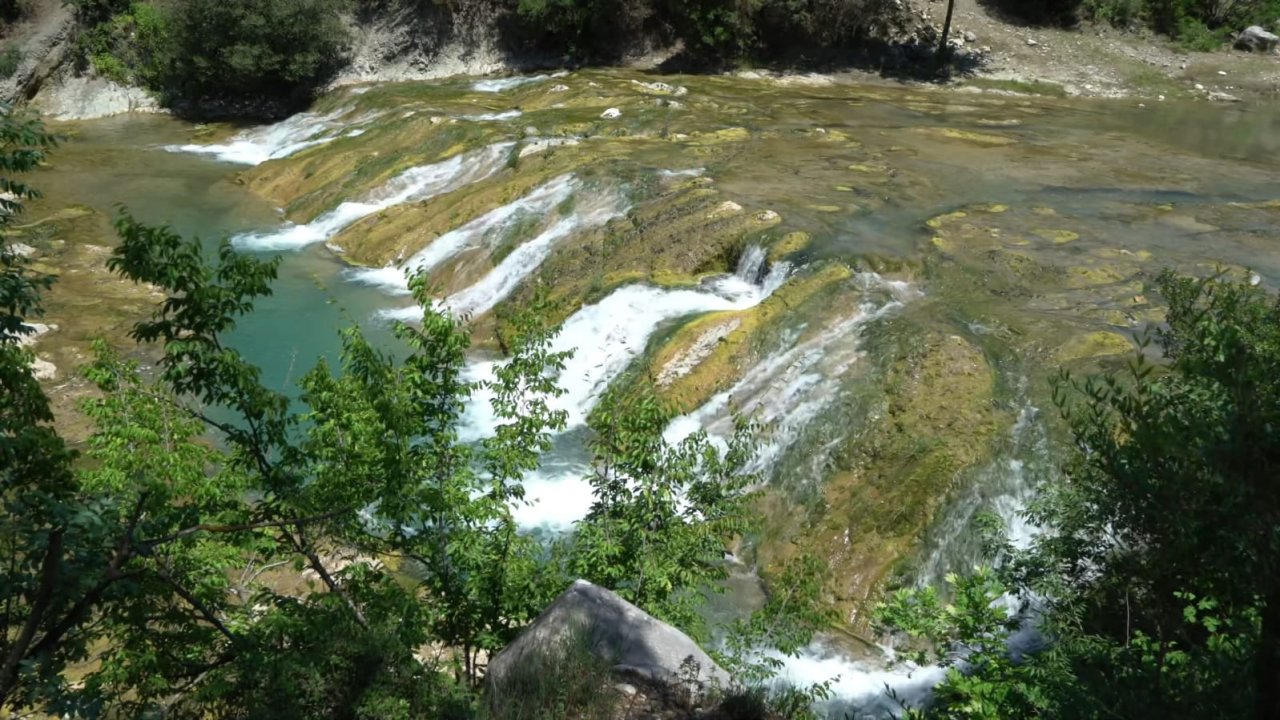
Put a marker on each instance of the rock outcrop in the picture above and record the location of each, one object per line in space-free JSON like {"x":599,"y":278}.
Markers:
{"x":621,"y":634}
{"x":43,"y":42}
{"x":1255,"y":39}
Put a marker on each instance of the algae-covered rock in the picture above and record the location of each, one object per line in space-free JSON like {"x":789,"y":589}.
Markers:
{"x":1095,"y":344}
{"x":792,"y":242}
{"x":708,"y":354}
{"x":988,"y":140}
{"x":936,"y":418}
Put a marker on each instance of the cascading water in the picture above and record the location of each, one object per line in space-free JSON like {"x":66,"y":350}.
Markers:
{"x":594,"y":210}
{"x":751,"y":266}
{"x":792,"y":386}
{"x":492,"y":116}
{"x":496,"y":85}
{"x":605,"y":338}
{"x":475,"y":234}
{"x":413,"y":185}
{"x":1005,"y":486}
{"x":271,"y":142}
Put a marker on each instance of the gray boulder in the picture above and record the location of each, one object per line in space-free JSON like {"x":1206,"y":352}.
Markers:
{"x":1255,"y":39}
{"x":621,"y":634}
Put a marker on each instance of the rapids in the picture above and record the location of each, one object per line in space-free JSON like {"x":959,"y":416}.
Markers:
{"x":885,"y":277}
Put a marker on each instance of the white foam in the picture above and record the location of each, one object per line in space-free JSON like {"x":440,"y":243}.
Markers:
{"x":791,"y":386}
{"x":494,"y":85}
{"x":555,"y":500}
{"x":478,"y":232}
{"x":492,"y":116}
{"x":271,"y":142}
{"x":413,"y":185}
{"x":856,"y":684}
{"x":499,"y":282}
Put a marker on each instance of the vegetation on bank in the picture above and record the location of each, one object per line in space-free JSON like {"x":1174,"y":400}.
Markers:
{"x":358,"y":559}
{"x":1153,"y":590}
{"x":270,"y":56}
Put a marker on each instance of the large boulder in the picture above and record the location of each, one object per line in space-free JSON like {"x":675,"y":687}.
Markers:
{"x":1255,"y":39}
{"x":614,"y":630}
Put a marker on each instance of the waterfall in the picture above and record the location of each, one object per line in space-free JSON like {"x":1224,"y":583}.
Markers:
{"x":477,"y":233}
{"x":792,"y":386}
{"x":596,"y":209}
{"x":605,"y":338}
{"x":412,"y":185}
{"x":492,"y":116}
{"x":1004,"y":486}
{"x":271,"y":142}
{"x":752,"y":264}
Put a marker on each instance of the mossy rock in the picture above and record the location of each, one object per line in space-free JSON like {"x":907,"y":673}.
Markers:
{"x":1100,"y":343}
{"x":710,"y":353}
{"x":937,"y":418}
{"x":789,"y":244}
{"x":985,"y":140}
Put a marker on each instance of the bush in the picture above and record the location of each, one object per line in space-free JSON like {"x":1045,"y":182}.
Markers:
{"x":813,"y":25}
{"x":716,"y":30}
{"x":132,"y":47}
{"x":591,"y":30}
{"x":10,"y":59}
{"x":237,"y":52}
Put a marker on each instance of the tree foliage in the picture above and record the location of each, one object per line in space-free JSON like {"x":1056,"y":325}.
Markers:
{"x":1155,"y":580}
{"x":357,"y":558}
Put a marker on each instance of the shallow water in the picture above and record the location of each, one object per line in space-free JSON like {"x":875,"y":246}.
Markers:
{"x":1095,"y":195}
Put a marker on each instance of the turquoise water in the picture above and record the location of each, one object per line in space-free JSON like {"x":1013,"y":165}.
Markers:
{"x":121,"y":161}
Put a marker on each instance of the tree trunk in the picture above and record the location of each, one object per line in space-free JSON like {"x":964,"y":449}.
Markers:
{"x":944,"y":51}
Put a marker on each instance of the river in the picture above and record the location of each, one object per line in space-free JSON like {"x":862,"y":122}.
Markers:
{"x":841,"y":260}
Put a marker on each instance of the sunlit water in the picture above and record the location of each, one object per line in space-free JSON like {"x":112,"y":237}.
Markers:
{"x":1090,"y":162}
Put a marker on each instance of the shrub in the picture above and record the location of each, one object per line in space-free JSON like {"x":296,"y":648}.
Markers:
{"x":10,"y":59}
{"x":132,"y":47}
{"x":812,"y":25}
{"x":592,"y":30}
{"x":715,"y":30}
{"x":256,"y":51}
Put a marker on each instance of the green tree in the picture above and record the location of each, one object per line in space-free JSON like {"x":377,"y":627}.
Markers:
{"x":238,"y":52}
{"x":1156,"y":574}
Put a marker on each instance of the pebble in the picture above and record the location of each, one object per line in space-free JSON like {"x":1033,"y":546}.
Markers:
{"x":625,"y":689}
{"x":611,"y":114}
{"x":1031,"y":42}
{"x":1199,"y":87}
{"x":559,"y":88}
{"x":1223,"y":73}
{"x":970,"y":37}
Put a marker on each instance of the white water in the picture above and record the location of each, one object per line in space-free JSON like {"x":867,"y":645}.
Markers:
{"x":271,"y":142}
{"x":792,"y":386}
{"x":1004,"y":487}
{"x":482,"y":231}
{"x":413,"y":185}
{"x":495,"y":85}
{"x":605,"y":338}
{"x":492,"y":116}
